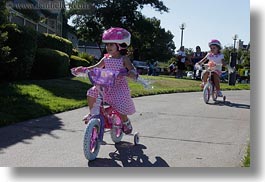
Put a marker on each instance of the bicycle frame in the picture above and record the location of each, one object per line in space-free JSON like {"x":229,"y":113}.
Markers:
{"x":209,"y":79}
{"x":210,"y":70}
{"x":99,"y":112}
{"x":209,"y":88}
{"x":101,"y":117}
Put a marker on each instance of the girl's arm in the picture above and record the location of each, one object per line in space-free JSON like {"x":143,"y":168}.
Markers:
{"x":229,"y":68}
{"x":203,"y":59}
{"x":224,"y":63}
{"x":100,"y":64}
{"x":132,"y":73}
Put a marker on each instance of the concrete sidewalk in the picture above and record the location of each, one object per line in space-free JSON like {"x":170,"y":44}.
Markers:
{"x":177,"y":130}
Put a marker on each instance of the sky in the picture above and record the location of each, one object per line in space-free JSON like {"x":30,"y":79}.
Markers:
{"x":205,"y":20}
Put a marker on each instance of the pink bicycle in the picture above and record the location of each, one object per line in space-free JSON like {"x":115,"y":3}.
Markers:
{"x":102,"y":117}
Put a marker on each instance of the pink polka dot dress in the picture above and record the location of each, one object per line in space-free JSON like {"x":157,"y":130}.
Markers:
{"x":119,"y":96}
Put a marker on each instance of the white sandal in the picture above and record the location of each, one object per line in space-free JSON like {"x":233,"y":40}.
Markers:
{"x":127,"y":127}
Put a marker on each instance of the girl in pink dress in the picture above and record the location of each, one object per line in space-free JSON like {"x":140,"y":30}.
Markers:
{"x":119,"y":97}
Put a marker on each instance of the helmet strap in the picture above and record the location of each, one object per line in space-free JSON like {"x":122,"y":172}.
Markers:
{"x":120,"y":48}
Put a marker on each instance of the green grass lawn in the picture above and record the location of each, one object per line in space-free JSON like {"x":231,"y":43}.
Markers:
{"x":246,"y":160}
{"x":31,"y":99}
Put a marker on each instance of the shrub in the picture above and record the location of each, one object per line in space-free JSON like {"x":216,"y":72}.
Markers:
{"x":55,"y":42}
{"x":76,"y":61}
{"x":75,"y":52}
{"x":22,"y":44}
{"x":91,"y":59}
{"x":49,"y":64}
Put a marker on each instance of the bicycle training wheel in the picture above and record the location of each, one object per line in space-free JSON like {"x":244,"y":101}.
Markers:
{"x":91,"y":143}
{"x":116,"y":129}
{"x":136,"y":138}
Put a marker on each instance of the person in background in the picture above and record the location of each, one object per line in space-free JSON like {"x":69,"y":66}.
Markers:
{"x":196,"y":57}
{"x":172,"y":68}
{"x":181,"y":56}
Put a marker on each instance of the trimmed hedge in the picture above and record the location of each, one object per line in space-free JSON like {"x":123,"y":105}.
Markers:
{"x":90,"y":58}
{"x":49,"y":64}
{"x":22,"y":41}
{"x":52,"y":41}
{"x":75,"y":52}
{"x":76,"y":61}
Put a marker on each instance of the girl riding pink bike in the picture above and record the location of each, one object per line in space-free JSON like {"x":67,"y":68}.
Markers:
{"x":117,"y":40}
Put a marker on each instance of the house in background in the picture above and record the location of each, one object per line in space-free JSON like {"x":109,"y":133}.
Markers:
{"x":84,"y":46}
{"x":242,"y":46}
{"x":44,"y":16}
{"x":91,"y":48}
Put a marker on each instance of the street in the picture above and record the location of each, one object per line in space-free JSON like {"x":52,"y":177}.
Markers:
{"x":176,"y":130}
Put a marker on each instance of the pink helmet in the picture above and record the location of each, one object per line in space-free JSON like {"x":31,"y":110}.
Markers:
{"x":215,"y":42}
{"x":116,"y":35}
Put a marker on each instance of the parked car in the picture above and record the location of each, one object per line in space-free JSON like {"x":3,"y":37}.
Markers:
{"x":190,"y":74}
{"x":141,"y":67}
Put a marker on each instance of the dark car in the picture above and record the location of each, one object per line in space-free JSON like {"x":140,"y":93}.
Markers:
{"x":141,"y":67}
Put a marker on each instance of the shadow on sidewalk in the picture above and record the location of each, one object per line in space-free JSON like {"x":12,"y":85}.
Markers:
{"x":230,"y":104}
{"x":25,"y":131}
{"x":128,"y":155}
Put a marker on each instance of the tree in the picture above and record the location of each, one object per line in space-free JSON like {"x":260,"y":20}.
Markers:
{"x":3,"y":12}
{"x":4,"y":49}
{"x":104,"y":14}
{"x":243,"y":55}
{"x":152,"y":41}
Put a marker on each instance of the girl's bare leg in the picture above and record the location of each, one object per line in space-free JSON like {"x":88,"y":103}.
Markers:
{"x":205,"y":76}
{"x":216,"y":80}
{"x":124,"y":118}
{"x":90,"y":102}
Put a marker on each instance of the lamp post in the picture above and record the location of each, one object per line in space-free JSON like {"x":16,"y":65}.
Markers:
{"x":233,"y":57}
{"x":182,"y":27}
{"x":235,"y":37}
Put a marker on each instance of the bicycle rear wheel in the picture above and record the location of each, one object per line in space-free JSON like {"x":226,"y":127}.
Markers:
{"x":116,"y":130}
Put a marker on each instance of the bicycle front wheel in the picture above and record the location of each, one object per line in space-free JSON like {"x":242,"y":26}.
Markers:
{"x":214,"y":93}
{"x":206,"y":93}
{"x":91,"y":142}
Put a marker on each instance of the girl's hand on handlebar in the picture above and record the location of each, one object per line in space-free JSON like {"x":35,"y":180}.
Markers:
{"x":133,"y":74}
{"x":198,"y":66}
{"x":80,"y":69}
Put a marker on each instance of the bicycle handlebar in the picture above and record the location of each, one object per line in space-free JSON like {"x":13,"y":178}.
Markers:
{"x":106,"y":77}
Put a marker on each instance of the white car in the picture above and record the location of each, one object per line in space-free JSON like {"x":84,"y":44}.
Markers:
{"x":190,"y":74}
{"x":141,"y":67}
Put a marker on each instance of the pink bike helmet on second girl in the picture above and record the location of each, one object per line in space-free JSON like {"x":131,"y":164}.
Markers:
{"x":117,"y":35}
{"x":215,"y":42}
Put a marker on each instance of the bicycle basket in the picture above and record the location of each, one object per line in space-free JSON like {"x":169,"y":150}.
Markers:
{"x":103,"y":77}
{"x":213,"y":68}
